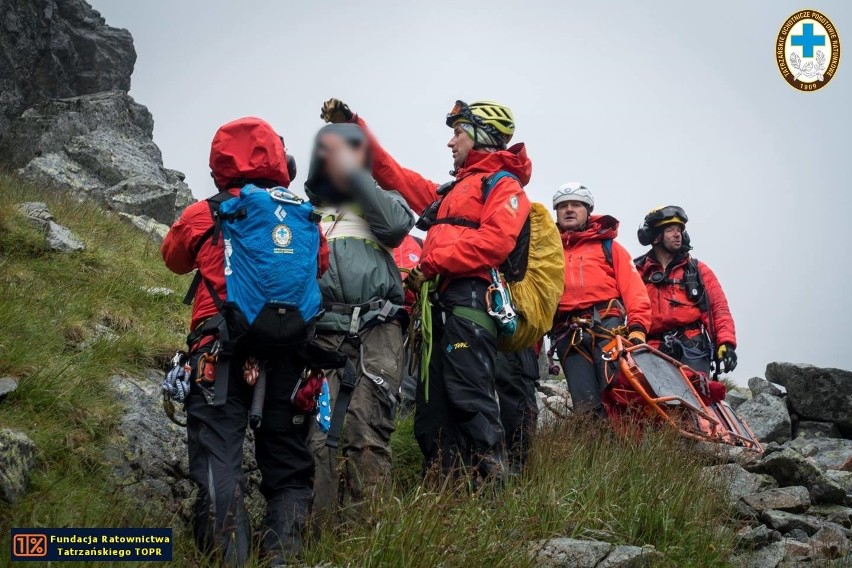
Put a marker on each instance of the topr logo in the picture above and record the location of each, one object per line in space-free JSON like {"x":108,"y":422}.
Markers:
{"x":281,"y":235}
{"x":808,"y":50}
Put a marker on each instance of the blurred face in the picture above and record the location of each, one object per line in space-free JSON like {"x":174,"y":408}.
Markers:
{"x":571,"y":216}
{"x":671,"y":238}
{"x":460,"y":144}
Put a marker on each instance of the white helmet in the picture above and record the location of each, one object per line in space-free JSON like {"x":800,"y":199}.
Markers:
{"x":573,"y":191}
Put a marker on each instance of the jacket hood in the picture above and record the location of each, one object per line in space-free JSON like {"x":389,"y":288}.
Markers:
{"x":598,"y":228}
{"x":513,"y":160}
{"x":318,"y":187}
{"x":248,"y":149}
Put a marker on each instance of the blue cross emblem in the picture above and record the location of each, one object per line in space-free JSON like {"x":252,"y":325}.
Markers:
{"x":808,"y":40}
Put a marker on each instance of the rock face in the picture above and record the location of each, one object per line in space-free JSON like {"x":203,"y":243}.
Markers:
{"x":767,"y":416}
{"x":67,"y":122}
{"x":17,"y":457}
{"x":98,"y":147}
{"x":815,"y":393}
{"x":151,"y":461}
{"x":57,"y":49}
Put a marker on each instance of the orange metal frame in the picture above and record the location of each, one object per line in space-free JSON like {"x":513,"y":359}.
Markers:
{"x":715,"y":423}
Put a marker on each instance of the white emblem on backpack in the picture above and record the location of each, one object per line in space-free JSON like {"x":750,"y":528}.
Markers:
{"x":282,"y":236}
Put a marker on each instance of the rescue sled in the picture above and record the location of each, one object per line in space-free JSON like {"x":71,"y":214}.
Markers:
{"x":645,"y":383}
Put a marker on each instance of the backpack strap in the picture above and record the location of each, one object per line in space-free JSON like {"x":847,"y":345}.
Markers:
{"x":488,"y":182}
{"x":606,"y":244}
{"x":690,"y":270}
{"x":213,"y":232}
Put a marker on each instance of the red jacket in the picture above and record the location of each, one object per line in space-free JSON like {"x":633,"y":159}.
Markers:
{"x":244,"y":149}
{"x":672,"y":309}
{"x":590,"y":279}
{"x":407,"y":256}
{"x":450,"y":250}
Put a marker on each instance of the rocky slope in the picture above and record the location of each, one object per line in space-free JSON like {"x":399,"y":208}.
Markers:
{"x":794,"y":502}
{"x":66,"y":119}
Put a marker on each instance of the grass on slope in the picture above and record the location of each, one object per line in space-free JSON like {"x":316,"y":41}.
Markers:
{"x":51,"y":306}
{"x":582,"y":481}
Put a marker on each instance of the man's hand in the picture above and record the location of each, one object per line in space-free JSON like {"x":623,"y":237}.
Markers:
{"x":726,"y":355}
{"x":636,"y":337}
{"x":341,"y":159}
{"x":336,"y":111}
{"x":415,"y":280}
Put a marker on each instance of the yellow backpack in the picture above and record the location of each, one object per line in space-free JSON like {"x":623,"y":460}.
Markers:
{"x":536,"y":294}
{"x":534,"y":273}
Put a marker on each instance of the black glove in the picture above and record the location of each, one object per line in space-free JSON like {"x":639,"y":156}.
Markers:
{"x":336,"y":111}
{"x":727,"y":357}
{"x":414,"y":280}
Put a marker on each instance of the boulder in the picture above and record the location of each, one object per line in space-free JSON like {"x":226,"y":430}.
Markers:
{"x":788,"y":467}
{"x":812,"y":429}
{"x":570,"y":552}
{"x":830,"y":542}
{"x":17,"y":458}
{"x":157,"y":231}
{"x":758,"y":386}
{"x":150,"y":456}
{"x":58,"y":238}
{"x":51,"y":50}
{"x":98,"y":147}
{"x":736,"y":396}
{"x":631,"y":557}
{"x":738,"y":481}
{"x":828,"y":453}
{"x":768,"y":417}
{"x":794,"y":499}
{"x":797,"y":549}
{"x":8,"y":385}
{"x":785,"y":522}
{"x":766,"y":557}
{"x":749,"y":537}
{"x":837,"y":514}
{"x":816,"y":393}
{"x":575,"y":553}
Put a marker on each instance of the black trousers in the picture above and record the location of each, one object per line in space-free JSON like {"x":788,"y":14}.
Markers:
{"x":696,"y":352}
{"x":457,"y":423}
{"x":215,"y":440}
{"x":516,"y":378}
{"x":585,"y":369}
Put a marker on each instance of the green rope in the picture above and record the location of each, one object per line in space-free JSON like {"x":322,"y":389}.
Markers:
{"x":426,"y":333}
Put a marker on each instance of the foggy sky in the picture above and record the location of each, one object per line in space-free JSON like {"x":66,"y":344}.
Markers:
{"x":646,"y":103}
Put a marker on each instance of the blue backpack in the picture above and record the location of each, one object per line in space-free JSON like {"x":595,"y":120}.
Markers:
{"x":271,"y":247}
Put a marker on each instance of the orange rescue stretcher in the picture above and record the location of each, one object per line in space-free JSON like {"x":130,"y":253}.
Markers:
{"x":643,"y":382}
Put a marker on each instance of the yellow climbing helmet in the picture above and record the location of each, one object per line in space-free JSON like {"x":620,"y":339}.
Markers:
{"x":492,"y":117}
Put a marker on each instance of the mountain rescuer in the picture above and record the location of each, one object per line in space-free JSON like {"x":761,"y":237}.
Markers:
{"x":363,"y":298}
{"x":603,"y":292}
{"x":246,"y":153}
{"x":515,"y":381}
{"x":457,"y":418}
{"x":690,"y":318}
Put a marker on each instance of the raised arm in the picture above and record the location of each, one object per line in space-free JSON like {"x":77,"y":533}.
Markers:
{"x":417,"y":191}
